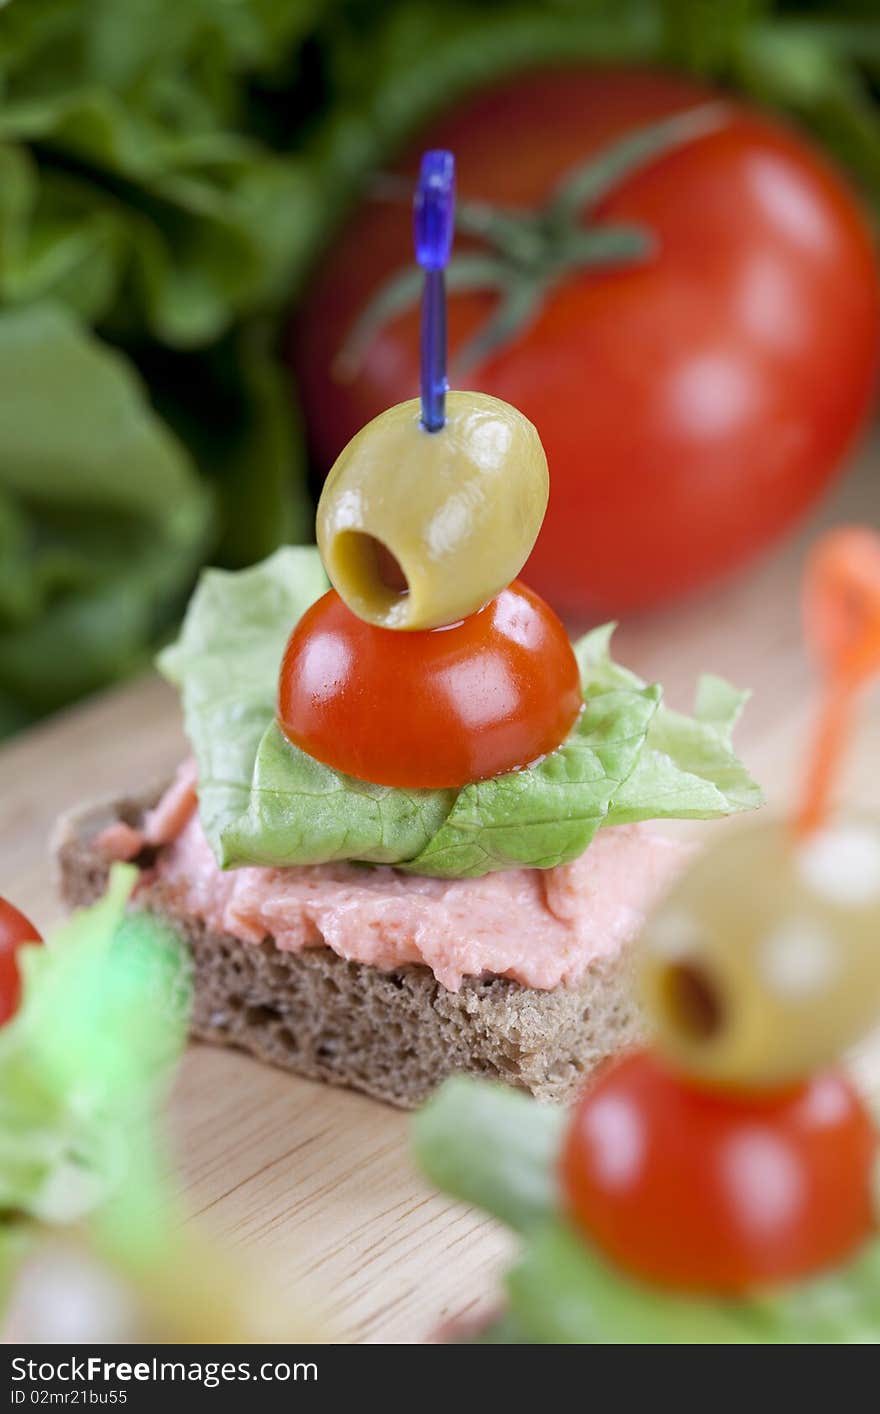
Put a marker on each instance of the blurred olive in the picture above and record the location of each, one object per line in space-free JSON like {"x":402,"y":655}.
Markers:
{"x":763,"y":962}
{"x":418,"y":529}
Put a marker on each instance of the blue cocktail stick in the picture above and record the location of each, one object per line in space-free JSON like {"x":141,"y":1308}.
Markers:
{"x":433,"y":228}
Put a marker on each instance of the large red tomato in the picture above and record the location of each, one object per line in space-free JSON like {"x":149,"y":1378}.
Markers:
{"x":692,"y":403}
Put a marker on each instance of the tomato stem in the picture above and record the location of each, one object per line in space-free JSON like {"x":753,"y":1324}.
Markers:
{"x":531,"y":251}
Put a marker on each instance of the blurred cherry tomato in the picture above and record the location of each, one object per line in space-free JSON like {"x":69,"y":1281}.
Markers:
{"x":691,"y":405}
{"x":435,"y":708}
{"x":708,"y":1191}
{"x":14,"y":930}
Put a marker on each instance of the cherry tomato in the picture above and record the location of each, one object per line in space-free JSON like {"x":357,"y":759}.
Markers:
{"x":435,"y":708}
{"x":705,"y":1191}
{"x":14,"y":929}
{"x":691,"y":405}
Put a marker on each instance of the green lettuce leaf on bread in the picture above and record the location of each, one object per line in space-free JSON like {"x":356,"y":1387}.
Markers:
{"x":264,"y":801}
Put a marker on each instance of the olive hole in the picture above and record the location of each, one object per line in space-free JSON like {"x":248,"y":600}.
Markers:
{"x":371,"y":570}
{"x":692,"y":1003}
{"x":389,"y":570}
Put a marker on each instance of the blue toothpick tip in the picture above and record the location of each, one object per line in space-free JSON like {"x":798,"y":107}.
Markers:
{"x":435,"y":209}
{"x":433,"y":224}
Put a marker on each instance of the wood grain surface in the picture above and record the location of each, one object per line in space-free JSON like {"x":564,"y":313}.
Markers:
{"x":318,"y":1182}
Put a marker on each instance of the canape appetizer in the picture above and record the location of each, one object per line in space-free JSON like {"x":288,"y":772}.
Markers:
{"x":392,"y":855}
{"x":719,"y":1186}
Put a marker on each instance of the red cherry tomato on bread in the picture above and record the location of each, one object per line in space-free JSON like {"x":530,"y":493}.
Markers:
{"x":691,"y":1188}
{"x":15,"y":929}
{"x":692,"y":404}
{"x":436,"y":708}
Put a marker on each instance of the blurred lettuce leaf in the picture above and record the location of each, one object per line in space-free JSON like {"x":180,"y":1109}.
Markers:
{"x":137,"y":193}
{"x":458,"y":1134}
{"x":103,"y":1019}
{"x":234,"y":407}
{"x":123,"y":156}
{"x":103,"y":519}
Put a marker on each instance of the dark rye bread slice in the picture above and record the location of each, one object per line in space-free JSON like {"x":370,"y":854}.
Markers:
{"x":394,"y":1035}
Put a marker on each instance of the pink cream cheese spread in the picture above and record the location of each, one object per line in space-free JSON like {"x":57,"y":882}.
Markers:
{"x":540,"y":927}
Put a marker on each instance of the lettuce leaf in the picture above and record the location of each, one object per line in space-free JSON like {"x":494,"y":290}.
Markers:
{"x":299,"y":811}
{"x":547,"y":814}
{"x":264,"y":801}
{"x":226,"y":663}
{"x":491,"y":1146}
{"x":688,"y":770}
{"x":142,"y":196}
{"x":103,"y":519}
{"x":104,"y":1014}
{"x":488,"y":1146}
{"x":564,"y":1293}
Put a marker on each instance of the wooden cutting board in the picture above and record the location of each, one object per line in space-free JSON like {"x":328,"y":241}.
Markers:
{"x":318,"y":1182}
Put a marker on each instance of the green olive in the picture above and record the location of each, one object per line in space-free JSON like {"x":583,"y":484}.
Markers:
{"x":763,"y":962}
{"x":418,"y":529}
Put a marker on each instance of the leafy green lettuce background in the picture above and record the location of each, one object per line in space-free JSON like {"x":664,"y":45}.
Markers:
{"x":169,"y":171}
